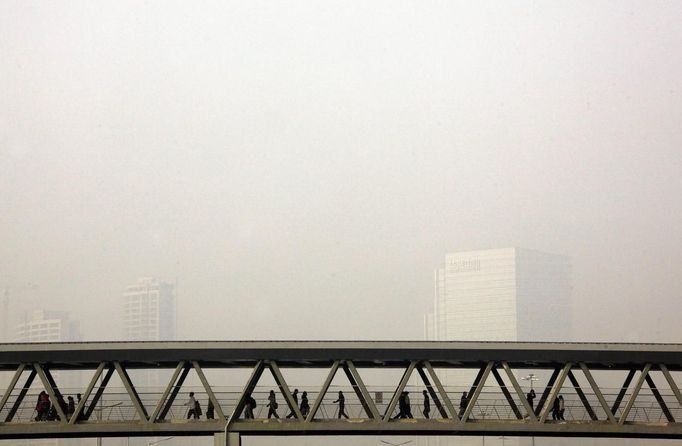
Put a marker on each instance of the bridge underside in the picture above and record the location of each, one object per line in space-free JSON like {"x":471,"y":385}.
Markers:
{"x":346,"y":427}
{"x":647,"y":402}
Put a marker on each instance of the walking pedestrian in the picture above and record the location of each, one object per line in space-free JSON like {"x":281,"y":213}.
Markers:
{"x":272,"y":405}
{"x":562,"y":408}
{"x":408,"y":407}
{"x":463,"y":404}
{"x":342,"y":405}
{"x":305,"y":406}
{"x":530,"y":397}
{"x":555,"y":409}
{"x":42,"y":406}
{"x":401,"y":407}
{"x":210,"y":410}
{"x":295,"y":396}
{"x":249,"y":406}
{"x":427,"y":404}
{"x":70,"y":407}
{"x":191,"y":407}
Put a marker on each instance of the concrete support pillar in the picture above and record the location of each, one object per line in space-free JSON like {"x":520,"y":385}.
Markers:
{"x":219,"y":439}
{"x":233,"y":439}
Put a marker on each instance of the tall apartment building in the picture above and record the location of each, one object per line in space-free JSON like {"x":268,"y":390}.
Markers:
{"x":509,"y":294}
{"x":148,"y":315}
{"x":47,"y":326}
{"x":149,"y":311}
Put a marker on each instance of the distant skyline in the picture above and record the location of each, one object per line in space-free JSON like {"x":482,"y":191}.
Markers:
{"x":300,"y":167}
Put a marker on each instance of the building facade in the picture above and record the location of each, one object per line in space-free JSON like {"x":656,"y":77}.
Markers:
{"x":149,"y":311}
{"x":509,"y":294}
{"x":47,"y":326}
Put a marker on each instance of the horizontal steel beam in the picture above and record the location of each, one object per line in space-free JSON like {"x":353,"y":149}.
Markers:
{"x":88,"y":355}
{"x":351,"y":427}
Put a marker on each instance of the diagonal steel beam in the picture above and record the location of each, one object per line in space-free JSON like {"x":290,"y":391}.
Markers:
{"x":554,"y":393}
{"x":248,"y":389}
{"x":433,"y":392}
{"x":581,"y":395}
{"x":284,"y":389}
{"x":635,"y":393}
{"x":100,"y":391}
{"x":169,"y":387}
{"x":52,"y":391}
{"x":323,"y":392}
{"x":545,"y":393}
{"x":12,"y":384}
{"x":132,"y":392}
{"x":659,"y":399}
{"x":209,"y":390}
{"x":595,"y":388}
{"x":506,"y":393}
{"x":519,"y":391}
{"x":623,"y":391}
{"x":477,"y":387}
{"x":177,"y":385}
{"x":86,"y":395}
{"x":441,"y":390}
{"x":401,"y":386}
{"x":361,"y":391}
{"x":21,"y":396}
{"x":668,"y":377}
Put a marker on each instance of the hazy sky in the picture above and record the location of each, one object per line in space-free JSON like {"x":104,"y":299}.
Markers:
{"x":301,"y":167}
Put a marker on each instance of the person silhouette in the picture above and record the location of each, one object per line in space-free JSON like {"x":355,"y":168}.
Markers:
{"x":427,"y":404}
{"x":295,"y":396}
{"x":463,"y":404}
{"x":342,"y":405}
{"x":249,"y":405}
{"x":305,"y":406}
{"x":272,"y":405}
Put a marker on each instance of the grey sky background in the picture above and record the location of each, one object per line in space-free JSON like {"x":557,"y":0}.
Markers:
{"x":301,"y":167}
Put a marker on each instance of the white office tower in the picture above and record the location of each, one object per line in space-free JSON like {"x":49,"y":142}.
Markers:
{"x":508,"y":294}
{"x":149,"y":311}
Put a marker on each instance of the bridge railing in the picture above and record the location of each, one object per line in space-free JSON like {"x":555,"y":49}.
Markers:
{"x":116,"y":405}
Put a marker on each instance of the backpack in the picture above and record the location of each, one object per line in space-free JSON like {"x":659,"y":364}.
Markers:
{"x":198,"y":409}
{"x":251,"y":402}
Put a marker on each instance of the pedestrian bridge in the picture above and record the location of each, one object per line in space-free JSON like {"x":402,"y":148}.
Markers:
{"x":142,"y":388}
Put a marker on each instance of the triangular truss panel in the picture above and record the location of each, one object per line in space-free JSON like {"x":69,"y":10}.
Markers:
{"x":651,"y":397}
{"x":269,"y":390}
{"x":227,"y":385}
{"x":499,"y":399}
{"x":111,"y":395}
{"x":426,"y":377}
{"x":32,"y":394}
{"x":344,"y":394}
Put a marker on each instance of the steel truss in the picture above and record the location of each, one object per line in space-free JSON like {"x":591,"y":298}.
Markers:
{"x":526,"y":419}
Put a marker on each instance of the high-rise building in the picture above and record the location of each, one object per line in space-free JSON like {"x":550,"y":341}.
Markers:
{"x":509,"y":294}
{"x":149,"y":311}
{"x":48,"y":326}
